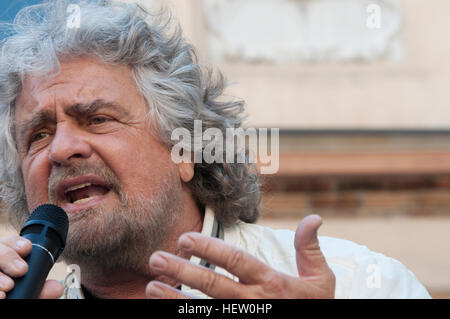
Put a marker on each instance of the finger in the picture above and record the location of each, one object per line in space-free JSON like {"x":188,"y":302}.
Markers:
{"x":194,"y":276}
{"x":20,"y":244}
{"x":159,"y":290}
{"x":11,"y":263}
{"x":310,"y":260}
{"x":52,"y":289}
{"x":6,"y":283}
{"x":246,"y":267}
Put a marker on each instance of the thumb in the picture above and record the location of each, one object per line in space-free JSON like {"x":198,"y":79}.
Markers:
{"x":52,"y":289}
{"x":310,"y":260}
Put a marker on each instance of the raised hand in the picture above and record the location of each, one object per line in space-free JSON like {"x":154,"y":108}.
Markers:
{"x":256,"y":279}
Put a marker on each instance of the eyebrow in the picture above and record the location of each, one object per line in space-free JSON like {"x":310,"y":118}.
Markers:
{"x":77,"y":109}
{"x":93,"y":107}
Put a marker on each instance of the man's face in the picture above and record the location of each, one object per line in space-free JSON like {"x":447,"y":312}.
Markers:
{"x":85,"y":144}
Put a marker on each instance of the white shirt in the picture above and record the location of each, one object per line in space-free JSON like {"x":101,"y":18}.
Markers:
{"x":360,"y":273}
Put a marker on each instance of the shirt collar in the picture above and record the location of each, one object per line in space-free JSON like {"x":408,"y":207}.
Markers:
{"x":212,"y":228}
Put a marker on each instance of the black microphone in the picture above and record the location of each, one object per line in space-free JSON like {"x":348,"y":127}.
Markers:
{"x":46,"y":228}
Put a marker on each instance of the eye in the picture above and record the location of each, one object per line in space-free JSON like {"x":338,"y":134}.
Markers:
{"x":38,"y":136}
{"x":98,"y":120}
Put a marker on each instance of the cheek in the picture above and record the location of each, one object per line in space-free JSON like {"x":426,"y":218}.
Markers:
{"x":136,"y":161}
{"x":35,"y":174}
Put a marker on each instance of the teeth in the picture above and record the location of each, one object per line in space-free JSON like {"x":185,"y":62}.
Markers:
{"x":83,"y":200}
{"x":77,"y":187}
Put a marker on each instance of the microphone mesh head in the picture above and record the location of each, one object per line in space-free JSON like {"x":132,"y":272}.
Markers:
{"x":53,"y":214}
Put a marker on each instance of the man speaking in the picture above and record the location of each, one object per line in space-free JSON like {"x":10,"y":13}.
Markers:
{"x":87,"y":111}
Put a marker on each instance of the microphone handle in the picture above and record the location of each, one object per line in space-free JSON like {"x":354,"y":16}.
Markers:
{"x":30,"y":285}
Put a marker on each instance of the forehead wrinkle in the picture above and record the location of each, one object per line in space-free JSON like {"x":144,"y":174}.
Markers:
{"x":92,"y":107}
{"x":49,"y":116}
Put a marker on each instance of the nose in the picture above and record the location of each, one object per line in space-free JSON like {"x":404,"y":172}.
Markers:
{"x":67,"y":145}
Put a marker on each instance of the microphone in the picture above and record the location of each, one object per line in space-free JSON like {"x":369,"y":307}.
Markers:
{"x":47,"y":229}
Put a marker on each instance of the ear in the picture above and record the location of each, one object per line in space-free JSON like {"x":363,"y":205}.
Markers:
{"x":186,"y":171}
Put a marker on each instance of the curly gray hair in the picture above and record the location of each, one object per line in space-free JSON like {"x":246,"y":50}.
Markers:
{"x":165,"y":68}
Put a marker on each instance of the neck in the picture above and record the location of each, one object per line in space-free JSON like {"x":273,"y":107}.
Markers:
{"x":124,"y":285}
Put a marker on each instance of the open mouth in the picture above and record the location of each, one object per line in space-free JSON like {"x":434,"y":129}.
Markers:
{"x":84,"y":192}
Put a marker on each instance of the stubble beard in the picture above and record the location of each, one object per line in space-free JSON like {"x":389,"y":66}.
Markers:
{"x":107,"y":241}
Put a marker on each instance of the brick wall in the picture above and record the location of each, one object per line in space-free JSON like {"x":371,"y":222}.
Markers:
{"x":356,"y":173}
{"x":289,"y":196}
